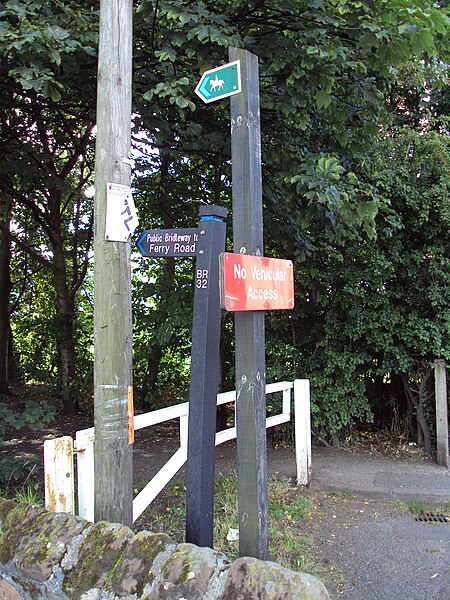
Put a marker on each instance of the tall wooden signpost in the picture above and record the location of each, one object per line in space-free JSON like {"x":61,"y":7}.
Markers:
{"x":249,"y":326}
{"x":250,"y":284}
{"x":206,"y":243}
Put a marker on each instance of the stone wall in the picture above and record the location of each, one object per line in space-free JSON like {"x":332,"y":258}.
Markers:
{"x":56,"y":556}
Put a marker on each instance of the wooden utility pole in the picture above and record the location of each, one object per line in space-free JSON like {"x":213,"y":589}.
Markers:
{"x":249,"y":326}
{"x":112,"y":275}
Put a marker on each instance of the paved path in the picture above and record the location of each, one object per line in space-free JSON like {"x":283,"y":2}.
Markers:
{"x":377,"y":477}
{"x":390,"y":557}
{"x":333,"y":470}
{"x":371,"y":476}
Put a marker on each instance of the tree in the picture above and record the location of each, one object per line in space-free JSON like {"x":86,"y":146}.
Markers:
{"x":5,"y":288}
{"x":383,"y":305}
{"x":47,"y":79}
{"x":333,"y":73}
{"x":327,"y":71}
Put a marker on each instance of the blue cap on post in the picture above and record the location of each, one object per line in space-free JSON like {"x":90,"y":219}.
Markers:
{"x":211,"y":212}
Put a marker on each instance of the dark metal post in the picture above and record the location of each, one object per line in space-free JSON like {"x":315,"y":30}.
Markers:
{"x":249,"y":326}
{"x":204,"y":378}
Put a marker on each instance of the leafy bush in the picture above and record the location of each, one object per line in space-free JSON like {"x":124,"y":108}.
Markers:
{"x":35,"y":416}
{"x":16,"y":469}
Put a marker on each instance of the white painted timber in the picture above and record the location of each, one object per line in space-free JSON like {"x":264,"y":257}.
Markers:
{"x":160,"y":416}
{"x":302,"y":426}
{"x":159,"y":481}
{"x":84,"y":448}
{"x":85,"y":444}
{"x":58,"y":467}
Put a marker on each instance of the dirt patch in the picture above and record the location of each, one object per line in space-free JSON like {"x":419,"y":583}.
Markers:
{"x":26,"y":444}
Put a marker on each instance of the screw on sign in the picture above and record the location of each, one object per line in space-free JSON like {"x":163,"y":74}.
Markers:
{"x":168,"y":242}
{"x":220,"y":82}
{"x":121,"y":216}
{"x":256,"y":283}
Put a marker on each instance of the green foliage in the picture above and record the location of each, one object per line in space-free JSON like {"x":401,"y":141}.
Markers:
{"x":325,"y":69}
{"x":382,"y":306}
{"x":13,"y":469}
{"x":40,"y":41}
{"x":33,"y":329}
{"x":35,"y":416}
{"x":350,"y":199}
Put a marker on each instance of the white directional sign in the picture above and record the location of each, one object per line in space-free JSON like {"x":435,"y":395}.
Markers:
{"x":220,"y":82}
{"x":121,"y":216}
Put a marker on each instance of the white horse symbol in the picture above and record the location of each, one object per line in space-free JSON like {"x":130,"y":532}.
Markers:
{"x":216,"y":84}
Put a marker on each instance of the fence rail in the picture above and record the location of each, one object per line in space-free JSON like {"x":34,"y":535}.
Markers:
{"x":58,"y":455}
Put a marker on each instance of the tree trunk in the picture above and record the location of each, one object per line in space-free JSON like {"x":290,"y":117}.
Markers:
{"x":13,"y":365}
{"x":421,"y":417}
{"x":155,"y":349}
{"x":417,"y":399}
{"x":5,"y":290}
{"x":151,"y":377}
{"x":65,"y":330}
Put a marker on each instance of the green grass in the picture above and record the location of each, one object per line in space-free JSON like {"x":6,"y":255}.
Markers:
{"x":343,"y":494}
{"x":286,"y":510}
{"x":419,"y":507}
{"x":27,"y":492}
{"x":30,"y":495}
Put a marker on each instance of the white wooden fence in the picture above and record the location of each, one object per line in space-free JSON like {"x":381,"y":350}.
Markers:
{"x":59,"y":453}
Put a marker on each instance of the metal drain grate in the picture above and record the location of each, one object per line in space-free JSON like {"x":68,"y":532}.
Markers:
{"x":433,"y":518}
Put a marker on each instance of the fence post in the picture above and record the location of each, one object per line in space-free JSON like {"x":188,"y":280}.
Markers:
{"x":58,"y":467}
{"x":184,"y":422}
{"x":85,"y":473}
{"x":302,"y":427}
{"x":440,"y":382}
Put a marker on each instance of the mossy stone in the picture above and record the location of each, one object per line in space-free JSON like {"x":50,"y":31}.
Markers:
{"x":132,"y":571}
{"x":18,"y":520}
{"x":252,"y":578}
{"x":6,"y":507}
{"x":43,"y":543}
{"x":98,"y":554}
{"x":187,"y":572}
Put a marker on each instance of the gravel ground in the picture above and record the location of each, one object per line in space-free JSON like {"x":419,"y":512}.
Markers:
{"x":376,"y":550}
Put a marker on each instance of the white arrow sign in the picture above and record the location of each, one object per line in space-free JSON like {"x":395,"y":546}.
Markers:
{"x":121,"y":215}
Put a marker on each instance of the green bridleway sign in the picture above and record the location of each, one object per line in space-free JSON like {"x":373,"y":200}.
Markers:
{"x":220,"y":82}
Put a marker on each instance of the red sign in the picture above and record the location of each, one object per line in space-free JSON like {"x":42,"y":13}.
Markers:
{"x":256,"y":282}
